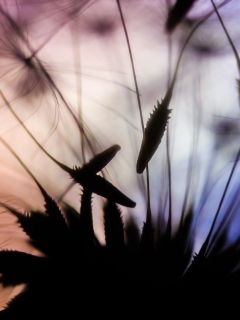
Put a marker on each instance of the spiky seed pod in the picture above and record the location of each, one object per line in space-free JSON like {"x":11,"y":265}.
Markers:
{"x":153,"y":133}
{"x":100,"y":160}
{"x":114,"y":231}
{"x":86,"y":176}
{"x":86,"y":220}
{"x":101,"y":186}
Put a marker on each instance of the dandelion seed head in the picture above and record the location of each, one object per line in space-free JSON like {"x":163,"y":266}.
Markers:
{"x":20,"y":71}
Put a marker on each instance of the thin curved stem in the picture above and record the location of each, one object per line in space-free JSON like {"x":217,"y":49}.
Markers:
{"x":138,"y":100}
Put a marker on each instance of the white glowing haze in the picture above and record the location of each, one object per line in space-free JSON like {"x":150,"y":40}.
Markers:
{"x":83,"y":47}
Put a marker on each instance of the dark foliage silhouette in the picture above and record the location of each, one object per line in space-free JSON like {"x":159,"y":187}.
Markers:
{"x":151,"y":271}
{"x":177,"y":13}
{"x":74,"y":265}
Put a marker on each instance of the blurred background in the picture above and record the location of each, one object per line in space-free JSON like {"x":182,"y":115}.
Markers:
{"x":66,"y":74}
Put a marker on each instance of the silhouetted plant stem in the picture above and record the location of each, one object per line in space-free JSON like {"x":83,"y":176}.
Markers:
{"x":228,"y":36}
{"x":46,"y":75}
{"x":169,"y":223}
{"x":30,"y":134}
{"x":187,"y":40}
{"x":132,"y":63}
{"x":21,"y":162}
{"x":157,"y":123}
{"x":148,"y":218}
{"x":77,"y":63}
{"x":74,"y":269}
{"x":149,"y":214}
{"x":23,"y":125}
{"x":186,"y":193}
{"x":206,"y":243}
{"x":232,"y":46}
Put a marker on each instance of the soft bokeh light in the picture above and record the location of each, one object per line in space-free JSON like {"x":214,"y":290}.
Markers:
{"x":82,"y":48}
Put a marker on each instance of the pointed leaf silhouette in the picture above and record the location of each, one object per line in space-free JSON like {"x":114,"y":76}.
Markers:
{"x":99,"y":161}
{"x":72,"y":218}
{"x":182,"y":246}
{"x":154,"y":131}
{"x":147,"y":238}
{"x":100,"y":186}
{"x":54,"y":213}
{"x":44,"y":234}
{"x":87,"y":178}
{"x":86,"y":228}
{"x":52,"y":209}
{"x":114,"y":232}
{"x":132,"y":234}
{"x":78,"y":223}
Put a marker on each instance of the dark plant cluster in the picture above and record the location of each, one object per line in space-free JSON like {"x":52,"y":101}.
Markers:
{"x":151,"y":271}
{"x":77,"y":275}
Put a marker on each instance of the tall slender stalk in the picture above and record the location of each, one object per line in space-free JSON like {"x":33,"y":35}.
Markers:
{"x":77,"y":62}
{"x":206,"y":243}
{"x":148,"y":218}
